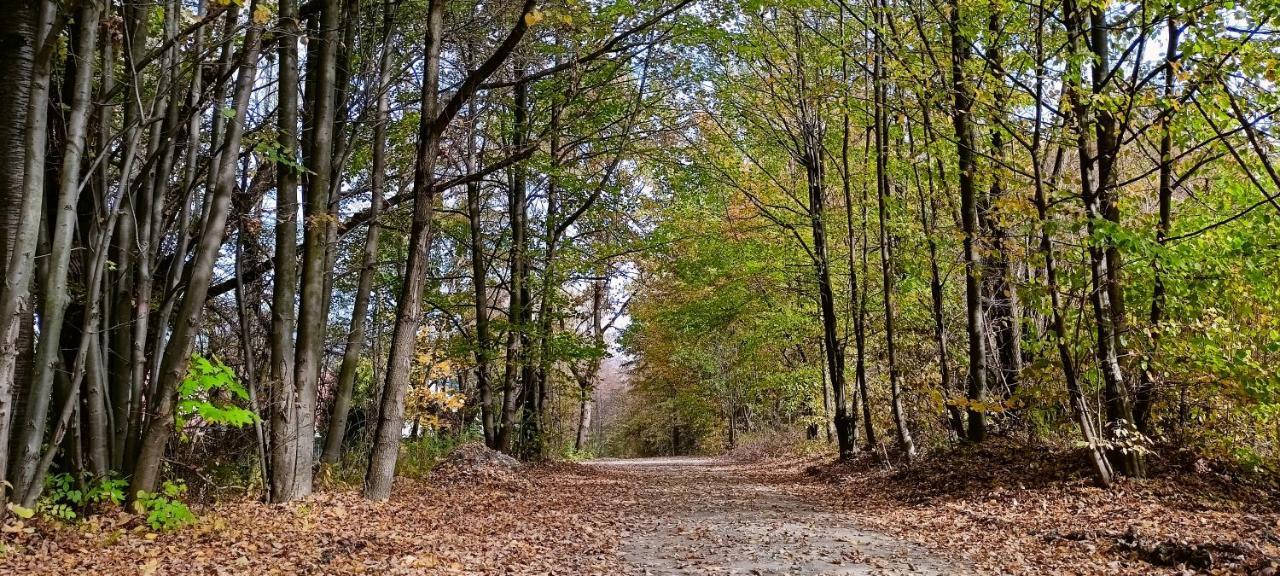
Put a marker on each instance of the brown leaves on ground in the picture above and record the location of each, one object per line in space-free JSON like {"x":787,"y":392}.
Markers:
{"x":1031,"y":509}
{"x":558,"y":521}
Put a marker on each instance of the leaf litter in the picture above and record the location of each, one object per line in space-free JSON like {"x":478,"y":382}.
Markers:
{"x":995,"y":509}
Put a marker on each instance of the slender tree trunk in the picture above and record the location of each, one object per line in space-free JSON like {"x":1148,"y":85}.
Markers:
{"x":586,"y":383}
{"x":846,"y":184}
{"x":1145,"y":394}
{"x":248,"y":352}
{"x":929,"y":225}
{"x":998,"y":277}
{"x":480,"y":290}
{"x":56,"y":296}
{"x":386,"y":447}
{"x":826,"y":298}
{"x":887,"y":262}
{"x":961,"y":117}
{"x":516,"y":286}
{"x":351,"y":354}
{"x":860,"y":321}
{"x":282,"y":402}
{"x":177,"y":352}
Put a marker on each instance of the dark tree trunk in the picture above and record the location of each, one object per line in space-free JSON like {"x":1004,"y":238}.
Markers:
{"x":480,"y":292}
{"x":386,"y":447}
{"x":961,"y":117}
{"x":517,"y":290}
{"x":1001,"y":293}
{"x":887,"y":262}
{"x":23,"y":105}
{"x":1145,"y":394}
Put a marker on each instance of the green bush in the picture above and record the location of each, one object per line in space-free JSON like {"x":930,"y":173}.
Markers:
{"x":66,"y":499}
{"x":164,"y":510}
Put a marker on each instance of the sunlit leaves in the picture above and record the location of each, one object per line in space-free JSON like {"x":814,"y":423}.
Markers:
{"x":210,"y":391}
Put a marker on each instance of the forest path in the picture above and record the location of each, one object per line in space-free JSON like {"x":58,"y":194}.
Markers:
{"x":707,"y":516}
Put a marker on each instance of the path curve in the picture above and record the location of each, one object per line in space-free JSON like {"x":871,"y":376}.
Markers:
{"x":708,"y":516}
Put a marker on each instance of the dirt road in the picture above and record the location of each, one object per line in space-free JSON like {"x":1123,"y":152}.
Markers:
{"x":703,"y":516}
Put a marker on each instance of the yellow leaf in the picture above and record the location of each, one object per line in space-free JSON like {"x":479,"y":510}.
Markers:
{"x":532,"y":18}
{"x":20,"y":511}
{"x":261,"y":15}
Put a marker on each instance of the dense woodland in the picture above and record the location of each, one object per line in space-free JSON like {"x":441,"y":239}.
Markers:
{"x":273,"y":244}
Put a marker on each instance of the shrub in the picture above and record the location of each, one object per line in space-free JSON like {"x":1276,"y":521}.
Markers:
{"x":164,"y":510}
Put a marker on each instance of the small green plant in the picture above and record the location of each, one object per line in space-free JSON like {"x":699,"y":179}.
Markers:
{"x":164,"y":510}
{"x":62,"y":498}
{"x":572,"y":454}
{"x":197,"y":395}
{"x":65,"y":499}
{"x":109,"y":490}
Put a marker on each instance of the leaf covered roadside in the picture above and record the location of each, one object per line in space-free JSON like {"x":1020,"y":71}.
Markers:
{"x":1015,"y":508}
{"x":558,"y":521}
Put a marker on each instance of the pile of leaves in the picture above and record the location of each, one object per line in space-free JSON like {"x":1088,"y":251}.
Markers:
{"x":1030,"y":508}
{"x":474,"y":462}
{"x":553,"y":523}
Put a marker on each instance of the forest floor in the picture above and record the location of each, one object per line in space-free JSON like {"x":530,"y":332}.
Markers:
{"x":978,"y":512}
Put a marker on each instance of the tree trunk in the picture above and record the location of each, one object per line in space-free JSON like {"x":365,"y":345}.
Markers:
{"x":351,"y":354}
{"x":587,"y":381}
{"x":856,"y":397}
{"x":834,"y":351}
{"x":1145,"y":394}
{"x":516,"y":288}
{"x":480,"y":290}
{"x":56,"y":296}
{"x":887,"y":262}
{"x":247,"y":350}
{"x":929,"y":225}
{"x":311,"y":308}
{"x":961,"y":117}
{"x":24,"y":29}
{"x":997,"y":273}
{"x":860,"y":320}
{"x":177,"y":352}
{"x":386,"y":447}
{"x":282,"y":402}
